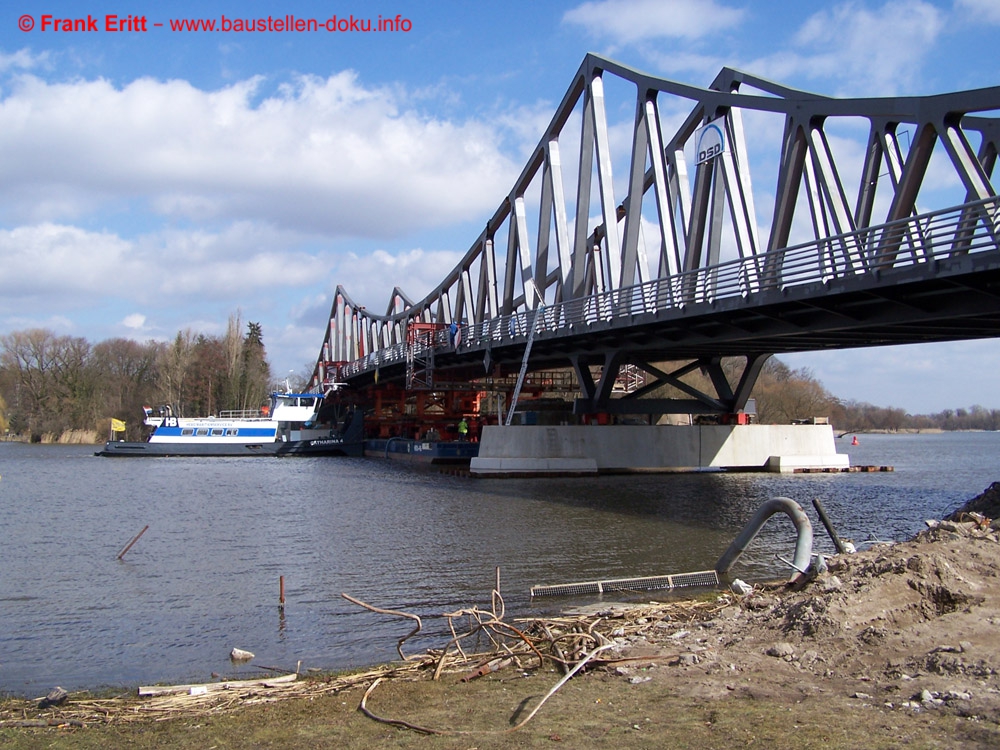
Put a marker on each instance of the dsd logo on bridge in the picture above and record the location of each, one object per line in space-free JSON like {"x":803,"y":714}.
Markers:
{"x":710,"y":141}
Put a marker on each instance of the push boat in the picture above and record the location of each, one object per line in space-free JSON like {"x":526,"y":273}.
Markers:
{"x":435,"y":452}
{"x":294,"y":424}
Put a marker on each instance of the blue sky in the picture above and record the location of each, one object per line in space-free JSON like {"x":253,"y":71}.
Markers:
{"x":156,"y":181}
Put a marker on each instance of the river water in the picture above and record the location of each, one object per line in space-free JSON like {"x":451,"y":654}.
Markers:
{"x":204,"y":578}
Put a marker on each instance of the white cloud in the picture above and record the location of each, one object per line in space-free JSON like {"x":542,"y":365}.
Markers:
{"x":59,"y":323}
{"x":78,"y":266}
{"x":135,"y":321}
{"x":526,"y":124}
{"x":635,"y":20}
{"x":981,"y":11}
{"x":63,"y":260}
{"x":861,"y":48}
{"x":319,"y":154}
{"x":242,"y":257}
{"x":871,"y":51}
{"x":23,"y":59}
{"x":687,"y":66}
{"x":251,"y":188}
{"x":369,"y":279}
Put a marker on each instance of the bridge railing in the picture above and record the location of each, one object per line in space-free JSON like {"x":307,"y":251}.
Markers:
{"x":920,"y":239}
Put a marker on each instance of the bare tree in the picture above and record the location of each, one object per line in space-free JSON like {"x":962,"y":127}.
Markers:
{"x":784,"y":395}
{"x":128,"y":378}
{"x":48,"y":373}
{"x":174,"y":366}
{"x":233,"y":347}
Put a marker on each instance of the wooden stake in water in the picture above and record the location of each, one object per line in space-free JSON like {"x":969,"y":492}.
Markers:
{"x":134,"y":540}
{"x":281,"y":592}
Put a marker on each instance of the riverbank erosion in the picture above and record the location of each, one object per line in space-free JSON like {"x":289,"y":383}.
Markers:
{"x":893,"y":646}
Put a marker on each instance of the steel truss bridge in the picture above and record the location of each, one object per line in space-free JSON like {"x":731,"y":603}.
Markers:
{"x":884,"y":229}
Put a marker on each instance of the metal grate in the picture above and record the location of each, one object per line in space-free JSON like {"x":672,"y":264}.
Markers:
{"x":648,"y":583}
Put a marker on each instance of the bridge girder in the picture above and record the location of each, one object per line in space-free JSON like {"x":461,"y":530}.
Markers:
{"x":591,"y":260}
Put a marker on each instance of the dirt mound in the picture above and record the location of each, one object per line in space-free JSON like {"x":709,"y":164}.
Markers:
{"x":986,"y":504}
{"x":904,"y":627}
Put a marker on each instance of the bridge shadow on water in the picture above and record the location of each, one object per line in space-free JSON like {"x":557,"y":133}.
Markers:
{"x":715,"y":500}
{"x":593,"y":528}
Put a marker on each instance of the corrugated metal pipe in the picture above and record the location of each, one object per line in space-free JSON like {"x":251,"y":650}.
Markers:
{"x":803,"y":545}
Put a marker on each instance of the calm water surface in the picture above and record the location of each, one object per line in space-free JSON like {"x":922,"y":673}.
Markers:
{"x":204,"y":577}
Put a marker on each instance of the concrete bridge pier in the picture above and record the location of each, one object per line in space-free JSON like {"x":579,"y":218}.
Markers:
{"x":595,"y":449}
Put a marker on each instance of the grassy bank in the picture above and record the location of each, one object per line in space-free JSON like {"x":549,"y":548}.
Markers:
{"x":597,"y":710}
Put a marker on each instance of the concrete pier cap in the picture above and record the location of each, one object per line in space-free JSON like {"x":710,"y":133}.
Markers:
{"x":529,"y":450}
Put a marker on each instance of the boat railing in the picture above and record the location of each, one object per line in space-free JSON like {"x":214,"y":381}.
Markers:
{"x":241,"y":414}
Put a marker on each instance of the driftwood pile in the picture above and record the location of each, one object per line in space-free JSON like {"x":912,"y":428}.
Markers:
{"x":569,"y":642}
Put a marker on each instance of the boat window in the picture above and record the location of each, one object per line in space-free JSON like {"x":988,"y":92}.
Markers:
{"x":201,"y":431}
{"x":218,"y":431}
{"x":187,"y":431}
{"x":306,"y":402}
{"x":233,"y":431}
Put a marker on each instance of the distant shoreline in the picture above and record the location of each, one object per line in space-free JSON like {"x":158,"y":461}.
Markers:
{"x":905,"y":431}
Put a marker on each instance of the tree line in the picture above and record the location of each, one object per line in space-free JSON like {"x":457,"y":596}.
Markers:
{"x":784,"y":395}
{"x":51,"y":384}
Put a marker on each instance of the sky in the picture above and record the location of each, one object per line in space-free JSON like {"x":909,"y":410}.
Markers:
{"x":155,"y":180}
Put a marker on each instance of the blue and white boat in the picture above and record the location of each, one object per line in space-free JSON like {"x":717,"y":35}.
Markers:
{"x":294,"y":424}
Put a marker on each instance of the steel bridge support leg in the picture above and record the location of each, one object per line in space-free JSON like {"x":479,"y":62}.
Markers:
{"x":600,"y":392}
{"x":755,"y":364}
{"x":584,"y":378}
{"x":727,"y":399}
{"x":736,"y":400}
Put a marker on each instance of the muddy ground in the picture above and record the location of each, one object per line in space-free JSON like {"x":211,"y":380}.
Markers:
{"x":895,"y":646}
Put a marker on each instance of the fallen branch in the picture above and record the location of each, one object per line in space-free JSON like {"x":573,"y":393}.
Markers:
{"x":363,"y":706}
{"x":213,"y":687}
{"x":558,"y":685}
{"x":500,"y":624}
{"x":397,"y":613}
